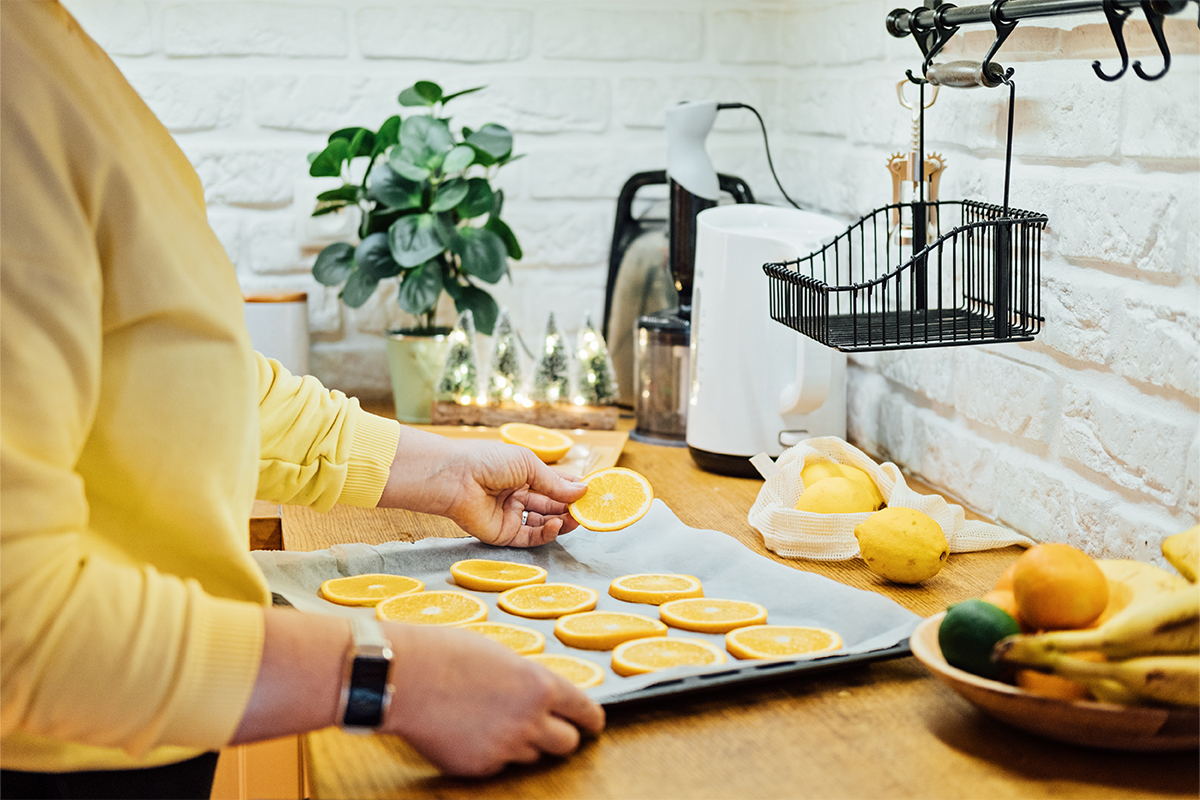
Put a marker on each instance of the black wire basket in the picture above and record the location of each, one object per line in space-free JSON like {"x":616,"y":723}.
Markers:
{"x":977,"y":283}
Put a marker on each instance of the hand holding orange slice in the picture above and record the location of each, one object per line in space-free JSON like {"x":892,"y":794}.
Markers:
{"x":367,"y":590}
{"x":547,"y":444}
{"x":616,"y":498}
{"x":639,"y":656}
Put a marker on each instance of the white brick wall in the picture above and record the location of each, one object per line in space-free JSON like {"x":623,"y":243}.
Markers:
{"x":1090,"y":434}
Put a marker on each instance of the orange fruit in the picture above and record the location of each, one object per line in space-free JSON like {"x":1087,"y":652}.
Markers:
{"x":1048,"y":685}
{"x":579,"y":671}
{"x":604,"y":630}
{"x":367,"y":590}
{"x":485,"y":575}
{"x":432,"y":608}
{"x":707,"y":615}
{"x":780,"y":641}
{"x":639,"y":656}
{"x":616,"y":498}
{"x":1006,"y":601}
{"x":548,"y":445}
{"x":1005,"y":581}
{"x":522,"y":641}
{"x":547,"y":600}
{"x":1058,"y":586}
{"x":654,"y":588}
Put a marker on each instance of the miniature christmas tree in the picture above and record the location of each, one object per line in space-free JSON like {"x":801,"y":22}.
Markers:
{"x":504,"y":373}
{"x":552,"y":380}
{"x":460,"y":374}
{"x":595,"y":381}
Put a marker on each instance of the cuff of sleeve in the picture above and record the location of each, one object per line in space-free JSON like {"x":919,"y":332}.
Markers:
{"x":371,"y":454}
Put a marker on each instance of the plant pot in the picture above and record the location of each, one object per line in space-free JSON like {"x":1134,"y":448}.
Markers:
{"x":415,"y":359}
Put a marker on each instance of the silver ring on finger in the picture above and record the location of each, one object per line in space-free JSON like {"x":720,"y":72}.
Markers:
{"x":525,"y":517}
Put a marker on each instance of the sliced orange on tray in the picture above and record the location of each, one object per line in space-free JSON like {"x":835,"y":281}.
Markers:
{"x":604,"y":630}
{"x":655,"y":588}
{"x":579,"y":671}
{"x":521,"y":640}
{"x":616,"y":498}
{"x":486,"y":575}
{"x":367,"y":590}
{"x":710,"y":615}
{"x":547,"y":444}
{"x":432,"y":608}
{"x":780,"y":641}
{"x":639,"y":656}
{"x":547,"y":600}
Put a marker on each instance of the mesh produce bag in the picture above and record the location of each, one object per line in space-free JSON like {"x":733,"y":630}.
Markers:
{"x":830,"y":537}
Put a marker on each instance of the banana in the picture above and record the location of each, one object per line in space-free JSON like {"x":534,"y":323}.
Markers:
{"x":1183,"y":551}
{"x":1140,"y":578}
{"x":1173,"y":679}
{"x":1163,"y":623}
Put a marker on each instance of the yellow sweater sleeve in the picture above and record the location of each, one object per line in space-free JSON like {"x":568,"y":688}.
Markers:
{"x":318,"y":446}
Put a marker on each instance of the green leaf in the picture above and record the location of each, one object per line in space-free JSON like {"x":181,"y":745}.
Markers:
{"x":511,"y":246}
{"x":374,"y":258}
{"x":413,"y":240}
{"x":365,"y":144}
{"x":446,"y":229}
{"x":358,"y":289}
{"x":400,"y":161}
{"x":450,"y":97}
{"x":328,"y":208}
{"x":458,"y":159}
{"x":498,"y":203}
{"x":420,"y":289}
{"x":482,"y":253}
{"x":483,"y":308}
{"x":479,"y":199}
{"x":334,"y":264}
{"x":388,"y":135}
{"x":393,"y":190}
{"x":347,"y":192}
{"x":449,"y":194}
{"x":424,"y":133}
{"x":421,"y":93}
{"x":328,"y":163}
{"x":494,"y":140}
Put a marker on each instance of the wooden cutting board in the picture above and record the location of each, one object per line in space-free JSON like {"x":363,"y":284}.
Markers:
{"x":593,"y":449}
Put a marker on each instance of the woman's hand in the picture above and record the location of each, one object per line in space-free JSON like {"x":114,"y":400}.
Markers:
{"x":485,"y":487}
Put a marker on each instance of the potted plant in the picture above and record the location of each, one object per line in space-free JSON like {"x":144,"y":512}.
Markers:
{"x":429,"y":219}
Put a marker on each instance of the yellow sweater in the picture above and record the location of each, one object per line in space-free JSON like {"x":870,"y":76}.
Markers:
{"x":136,"y":427}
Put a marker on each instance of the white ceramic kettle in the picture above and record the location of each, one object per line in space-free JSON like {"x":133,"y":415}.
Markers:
{"x":756,"y":385}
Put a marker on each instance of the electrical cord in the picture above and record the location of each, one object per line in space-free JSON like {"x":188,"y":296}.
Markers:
{"x":766,"y":145}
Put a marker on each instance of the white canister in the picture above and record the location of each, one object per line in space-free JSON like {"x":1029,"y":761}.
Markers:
{"x":278,"y":325}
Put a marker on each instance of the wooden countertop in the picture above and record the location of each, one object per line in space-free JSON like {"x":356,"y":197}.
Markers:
{"x":884,"y":730}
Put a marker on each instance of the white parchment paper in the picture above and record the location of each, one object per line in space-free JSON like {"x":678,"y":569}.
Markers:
{"x":660,"y":542}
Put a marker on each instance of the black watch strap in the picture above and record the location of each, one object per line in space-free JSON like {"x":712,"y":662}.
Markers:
{"x":366,"y":689}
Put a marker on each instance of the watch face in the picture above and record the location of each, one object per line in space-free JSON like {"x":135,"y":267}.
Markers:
{"x":368,"y":688}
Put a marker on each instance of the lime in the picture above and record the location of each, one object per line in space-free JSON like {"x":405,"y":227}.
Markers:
{"x":968,"y":633}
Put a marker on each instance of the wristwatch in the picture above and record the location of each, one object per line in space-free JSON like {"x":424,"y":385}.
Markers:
{"x":366,"y":688}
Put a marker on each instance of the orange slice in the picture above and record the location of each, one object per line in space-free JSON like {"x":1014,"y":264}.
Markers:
{"x":639,"y":656}
{"x":367,"y":590}
{"x":547,"y":600}
{"x":706,"y":615}
{"x":483,"y":575}
{"x":579,"y":671}
{"x":432,"y":608}
{"x":604,"y":630}
{"x":548,"y":445}
{"x":616,"y":498}
{"x":654,"y":588}
{"x":522,"y":641}
{"x":780,"y":641}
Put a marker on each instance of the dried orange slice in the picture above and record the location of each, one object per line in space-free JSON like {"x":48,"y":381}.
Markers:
{"x":639,"y":656}
{"x":432,"y":608}
{"x":616,"y":498}
{"x":484,"y":575}
{"x":548,"y":445}
{"x":522,"y":641}
{"x":604,"y":630}
{"x":654,"y":588}
{"x":780,"y":641}
{"x":367,"y":590}
{"x":579,"y":671}
{"x":547,"y":600}
{"x":707,"y":615}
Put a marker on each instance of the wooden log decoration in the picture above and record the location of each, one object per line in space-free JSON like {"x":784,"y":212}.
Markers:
{"x":563,"y":416}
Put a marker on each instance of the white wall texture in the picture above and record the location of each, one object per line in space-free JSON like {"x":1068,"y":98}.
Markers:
{"x":1089,"y":435}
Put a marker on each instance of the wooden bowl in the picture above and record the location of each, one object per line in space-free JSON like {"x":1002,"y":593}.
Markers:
{"x":1087,"y":723}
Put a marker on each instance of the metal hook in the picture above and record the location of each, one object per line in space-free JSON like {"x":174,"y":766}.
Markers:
{"x":1156,"y":27}
{"x":1116,"y":20}
{"x":942,"y":35}
{"x":994,"y":74}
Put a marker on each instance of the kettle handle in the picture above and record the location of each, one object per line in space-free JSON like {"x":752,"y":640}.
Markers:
{"x":814,"y":370}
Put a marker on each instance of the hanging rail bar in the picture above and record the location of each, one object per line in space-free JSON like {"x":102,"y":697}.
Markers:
{"x":902,"y":22}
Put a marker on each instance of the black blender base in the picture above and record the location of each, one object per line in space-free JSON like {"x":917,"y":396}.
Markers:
{"x":734,"y":466}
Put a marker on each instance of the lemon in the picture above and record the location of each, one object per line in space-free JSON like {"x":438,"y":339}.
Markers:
{"x":820,"y":470}
{"x":835,"y":496}
{"x":902,"y":544}
{"x":968,"y":633}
